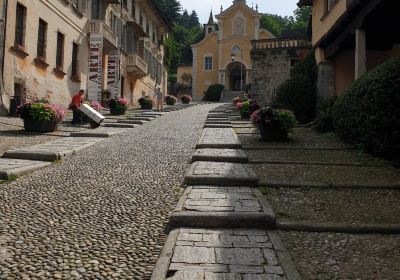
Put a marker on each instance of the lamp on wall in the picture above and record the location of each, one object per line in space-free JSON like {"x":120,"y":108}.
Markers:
{"x":233,"y":57}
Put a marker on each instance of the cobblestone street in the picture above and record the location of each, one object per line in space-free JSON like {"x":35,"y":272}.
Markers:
{"x":101,"y":213}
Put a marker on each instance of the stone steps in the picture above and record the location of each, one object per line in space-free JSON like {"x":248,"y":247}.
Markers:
{"x":224,"y":138}
{"x":16,"y":167}
{"x":101,"y":132}
{"x":220,"y":155}
{"x":54,"y":150}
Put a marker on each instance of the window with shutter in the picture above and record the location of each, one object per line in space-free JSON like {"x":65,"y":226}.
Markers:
{"x":20,"y":25}
{"x":60,"y":51}
{"x":41,"y":42}
{"x":74,"y":66}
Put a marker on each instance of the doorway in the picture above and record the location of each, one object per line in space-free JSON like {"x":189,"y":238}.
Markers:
{"x":237,"y":76}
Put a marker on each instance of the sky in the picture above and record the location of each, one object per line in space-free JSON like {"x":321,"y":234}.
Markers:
{"x":203,"y":7}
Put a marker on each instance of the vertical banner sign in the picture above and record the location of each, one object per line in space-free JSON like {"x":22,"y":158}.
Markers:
{"x":113,"y":78}
{"x":95,"y":66}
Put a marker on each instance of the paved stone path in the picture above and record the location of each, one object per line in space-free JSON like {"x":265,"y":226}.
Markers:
{"x":224,"y":138}
{"x":222,"y":197}
{"x":16,"y":167}
{"x":212,"y":206}
{"x":223,"y":155}
{"x":53,"y":150}
{"x":221,"y":173}
{"x":100,"y":214}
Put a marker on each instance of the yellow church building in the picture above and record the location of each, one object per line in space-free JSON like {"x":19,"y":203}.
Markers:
{"x":223,"y":56}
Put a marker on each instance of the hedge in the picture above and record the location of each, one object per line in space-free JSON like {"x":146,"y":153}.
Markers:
{"x":299,"y":92}
{"x":368,"y":112}
{"x":213,"y":93}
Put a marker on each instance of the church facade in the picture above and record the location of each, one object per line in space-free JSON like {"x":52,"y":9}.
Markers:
{"x":223,"y":56}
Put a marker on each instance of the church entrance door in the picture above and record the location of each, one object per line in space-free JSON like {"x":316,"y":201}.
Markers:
{"x":237,"y":76}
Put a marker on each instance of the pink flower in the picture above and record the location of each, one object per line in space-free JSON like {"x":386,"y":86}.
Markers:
{"x":239,"y":105}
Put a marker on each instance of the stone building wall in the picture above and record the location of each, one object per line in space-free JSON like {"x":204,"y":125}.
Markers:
{"x":271,"y":67}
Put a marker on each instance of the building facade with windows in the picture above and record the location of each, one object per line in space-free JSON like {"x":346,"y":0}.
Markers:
{"x":350,"y":38}
{"x":53,"y":48}
{"x":223,"y":56}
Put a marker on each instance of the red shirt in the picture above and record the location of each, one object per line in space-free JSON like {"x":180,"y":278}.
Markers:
{"x":76,"y":101}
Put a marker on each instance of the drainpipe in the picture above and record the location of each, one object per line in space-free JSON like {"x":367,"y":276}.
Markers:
{"x":3,"y":29}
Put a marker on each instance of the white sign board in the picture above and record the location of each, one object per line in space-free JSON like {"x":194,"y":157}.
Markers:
{"x":95,"y":66}
{"x":92,"y":113}
{"x":113,"y":79}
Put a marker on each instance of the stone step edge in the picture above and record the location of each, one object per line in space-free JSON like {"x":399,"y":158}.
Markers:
{"x":357,"y":228}
{"x":163,"y":263}
{"x":264,"y":220}
{"x":333,"y":163}
{"x":192,"y":180}
{"x":24,"y":170}
{"x":282,"y":184}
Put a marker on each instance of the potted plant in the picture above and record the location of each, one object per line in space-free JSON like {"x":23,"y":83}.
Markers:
{"x":243,"y":108}
{"x":118,"y":106}
{"x":170,"y":100}
{"x":41,"y":117}
{"x":96,"y":105}
{"x":236,"y":100}
{"x":146,"y":103}
{"x":274,"y":125}
{"x":186,"y":99}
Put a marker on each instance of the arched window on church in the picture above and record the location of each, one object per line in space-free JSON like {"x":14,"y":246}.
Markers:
{"x":210,"y":30}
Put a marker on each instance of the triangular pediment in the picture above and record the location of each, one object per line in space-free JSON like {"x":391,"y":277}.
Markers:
{"x":238,"y":6}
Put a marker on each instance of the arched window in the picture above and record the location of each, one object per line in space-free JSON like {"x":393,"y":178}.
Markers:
{"x":210,"y":30}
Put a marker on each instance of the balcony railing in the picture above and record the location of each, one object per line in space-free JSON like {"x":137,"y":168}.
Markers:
{"x":266,"y":44}
{"x":136,"y":65}
{"x":98,"y":26}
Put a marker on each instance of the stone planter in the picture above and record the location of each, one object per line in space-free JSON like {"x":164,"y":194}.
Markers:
{"x":41,"y":126}
{"x":146,"y":106}
{"x":244,"y":115}
{"x":117,"y":111}
{"x":272,"y":133}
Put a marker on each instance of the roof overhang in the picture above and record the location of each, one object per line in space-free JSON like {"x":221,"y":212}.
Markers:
{"x":137,"y":28}
{"x":165,"y":22}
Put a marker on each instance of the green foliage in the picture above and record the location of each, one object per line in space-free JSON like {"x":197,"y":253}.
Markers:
{"x":278,"y":24}
{"x":324,"y":121}
{"x":299,"y":92}
{"x":213,"y":93}
{"x":39,"y":112}
{"x":286,"y":119}
{"x":368,"y":112}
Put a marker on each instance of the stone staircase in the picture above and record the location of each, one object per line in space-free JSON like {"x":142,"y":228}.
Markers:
{"x":227,"y":96}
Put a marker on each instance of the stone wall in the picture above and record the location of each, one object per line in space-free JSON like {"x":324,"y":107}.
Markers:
{"x":271,"y":67}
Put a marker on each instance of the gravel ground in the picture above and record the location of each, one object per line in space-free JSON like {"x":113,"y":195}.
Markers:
{"x":102,"y":213}
{"x":300,"y":137}
{"x":347,"y":206}
{"x":327,"y":256}
{"x":343,"y":175}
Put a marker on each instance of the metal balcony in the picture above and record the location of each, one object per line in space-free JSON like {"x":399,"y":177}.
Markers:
{"x":136,"y":65}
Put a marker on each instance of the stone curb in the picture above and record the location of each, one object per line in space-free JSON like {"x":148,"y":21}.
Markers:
{"x":221,"y":220}
{"x":192,"y":180}
{"x":247,"y":147}
{"x":357,"y":228}
{"x":163,"y":262}
{"x":95,"y":134}
{"x":18,"y":171}
{"x":217,"y":125}
{"x":284,"y":257}
{"x":317,"y":163}
{"x":119,"y":125}
{"x":214,"y":158}
{"x":132,"y":122}
{"x":218,"y":122}
{"x":39,"y":155}
{"x":276,"y":184}
{"x":148,"y":119}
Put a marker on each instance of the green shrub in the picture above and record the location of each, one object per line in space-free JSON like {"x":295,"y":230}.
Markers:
{"x":213,"y":93}
{"x":324,"y":121}
{"x":299,"y":92}
{"x":368,"y":112}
